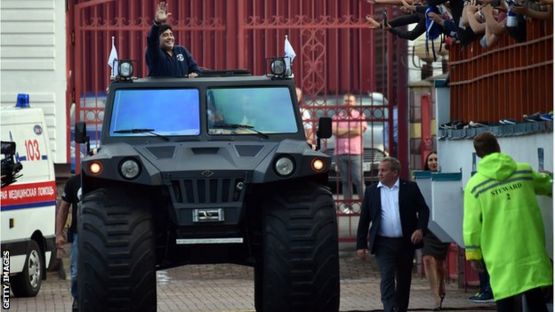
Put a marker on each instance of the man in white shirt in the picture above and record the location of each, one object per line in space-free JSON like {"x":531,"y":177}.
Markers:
{"x":399,"y":217}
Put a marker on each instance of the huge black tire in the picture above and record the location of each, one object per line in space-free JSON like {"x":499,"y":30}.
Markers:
{"x":116,"y":258}
{"x":300,"y":262}
{"x":28,"y":282}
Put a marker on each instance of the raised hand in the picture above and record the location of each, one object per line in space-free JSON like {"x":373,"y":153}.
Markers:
{"x":162,"y":14}
{"x":372,"y":23}
{"x":436,"y":17}
{"x":407,"y":8}
{"x":473,"y":6}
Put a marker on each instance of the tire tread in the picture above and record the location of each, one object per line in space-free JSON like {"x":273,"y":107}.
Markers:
{"x":301,"y":263}
{"x":116,"y":253}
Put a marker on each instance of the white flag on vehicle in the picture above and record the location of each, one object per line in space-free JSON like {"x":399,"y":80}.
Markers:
{"x":289,"y":56}
{"x":289,"y":51}
{"x":113,"y":59}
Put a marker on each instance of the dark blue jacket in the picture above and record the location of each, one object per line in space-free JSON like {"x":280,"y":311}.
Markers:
{"x":161,"y":63}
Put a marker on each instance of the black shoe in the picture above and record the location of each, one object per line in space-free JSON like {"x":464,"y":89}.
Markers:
{"x":532,"y":118}
{"x":451,"y":125}
{"x":484,"y":297}
{"x":507,"y":122}
{"x":473,"y":124}
{"x":546,"y":117}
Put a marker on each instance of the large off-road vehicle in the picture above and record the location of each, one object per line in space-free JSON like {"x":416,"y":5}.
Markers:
{"x":206,"y":170}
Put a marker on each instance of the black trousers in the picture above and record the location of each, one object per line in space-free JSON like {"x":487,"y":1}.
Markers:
{"x":534,"y":300}
{"x":394,"y":258}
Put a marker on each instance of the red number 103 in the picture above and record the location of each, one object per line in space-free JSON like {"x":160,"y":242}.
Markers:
{"x":32,"y":147}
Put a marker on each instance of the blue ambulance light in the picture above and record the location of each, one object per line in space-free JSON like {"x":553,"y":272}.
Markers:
{"x":22,"y":100}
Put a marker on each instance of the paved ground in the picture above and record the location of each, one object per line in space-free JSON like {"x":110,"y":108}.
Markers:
{"x":201,"y":288}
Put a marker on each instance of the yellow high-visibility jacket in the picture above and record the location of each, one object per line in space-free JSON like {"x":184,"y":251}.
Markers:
{"x":503,"y":224}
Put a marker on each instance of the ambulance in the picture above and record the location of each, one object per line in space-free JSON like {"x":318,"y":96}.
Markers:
{"x":28,"y":198}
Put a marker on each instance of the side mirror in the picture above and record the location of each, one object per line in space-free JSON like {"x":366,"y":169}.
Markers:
{"x":324,"y":128}
{"x":81,"y":134}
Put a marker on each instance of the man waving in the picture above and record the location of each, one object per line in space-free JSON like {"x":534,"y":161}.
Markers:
{"x":163,"y":57}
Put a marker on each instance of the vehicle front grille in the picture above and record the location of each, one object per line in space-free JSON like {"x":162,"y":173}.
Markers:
{"x":207,"y":191}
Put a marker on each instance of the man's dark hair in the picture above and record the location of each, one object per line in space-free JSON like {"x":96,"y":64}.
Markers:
{"x":163,"y":28}
{"x":485,"y":144}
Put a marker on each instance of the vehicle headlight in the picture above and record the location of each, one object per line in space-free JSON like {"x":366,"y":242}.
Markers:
{"x":125,"y":69}
{"x":284,"y":166}
{"x":95,"y":167}
{"x":130,"y":169}
{"x":318,"y":165}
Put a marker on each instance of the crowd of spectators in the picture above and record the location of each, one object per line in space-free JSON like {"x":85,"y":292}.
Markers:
{"x":462,"y":21}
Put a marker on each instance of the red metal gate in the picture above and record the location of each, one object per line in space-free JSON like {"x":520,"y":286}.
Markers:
{"x":336,"y":45}
{"x":336,"y":52}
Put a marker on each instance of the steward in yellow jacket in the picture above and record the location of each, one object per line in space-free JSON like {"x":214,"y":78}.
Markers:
{"x":503,"y":223}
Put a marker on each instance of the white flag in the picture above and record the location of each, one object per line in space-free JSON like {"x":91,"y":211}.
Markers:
{"x":289,"y":52}
{"x":113,"y":59}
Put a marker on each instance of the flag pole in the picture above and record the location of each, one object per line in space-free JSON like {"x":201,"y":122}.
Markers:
{"x":287,"y":40}
{"x":112,"y":67}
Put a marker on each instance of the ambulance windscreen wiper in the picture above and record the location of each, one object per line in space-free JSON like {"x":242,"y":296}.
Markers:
{"x":144,"y":130}
{"x":240,"y":127}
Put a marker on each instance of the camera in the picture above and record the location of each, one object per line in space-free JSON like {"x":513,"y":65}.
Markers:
{"x":10,"y":167}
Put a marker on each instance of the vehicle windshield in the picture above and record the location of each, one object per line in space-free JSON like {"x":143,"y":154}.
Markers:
{"x":266,"y":110}
{"x":163,"y":111}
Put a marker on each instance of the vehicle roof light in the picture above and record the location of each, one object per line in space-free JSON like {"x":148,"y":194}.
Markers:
{"x":280,"y":67}
{"x":22,"y":100}
{"x":277,"y":67}
{"x":125,"y":69}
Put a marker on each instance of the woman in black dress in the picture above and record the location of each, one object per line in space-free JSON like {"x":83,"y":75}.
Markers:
{"x":434,"y":251}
